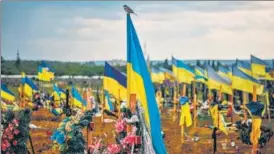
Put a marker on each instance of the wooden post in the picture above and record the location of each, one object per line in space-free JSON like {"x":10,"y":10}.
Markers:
{"x":254,"y":95}
{"x":219,"y":96}
{"x":118,"y":104}
{"x":132,"y":108}
{"x":232,"y":105}
{"x":244,"y":103}
{"x":194,"y":105}
{"x":87,"y":94}
{"x":174,"y":104}
{"x":103,"y":106}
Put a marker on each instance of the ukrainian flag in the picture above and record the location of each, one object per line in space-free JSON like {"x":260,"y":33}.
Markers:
{"x":58,"y":93}
{"x":28,"y":85}
{"x":258,"y":67}
{"x":244,"y":82}
{"x":216,"y":81}
{"x":183,"y":72}
{"x":157,"y":76}
{"x":200,"y":75}
{"x":6,"y":94}
{"x":168,"y":74}
{"x":244,"y":66}
{"x":77,"y":99}
{"x":45,"y":72}
{"x":139,"y":83}
{"x":223,"y":71}
{"x":108,"y":102}
{"x":115,"y":82}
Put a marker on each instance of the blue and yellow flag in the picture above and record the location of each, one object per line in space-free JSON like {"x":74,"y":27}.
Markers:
{"x":157,"y":76}
{"x":258,"y":67}
{"x":182,"y":71}
{"x":244,"y":66}
{"x":6,"y":94}
{"x":115,"y":82}
{"x":243,"y":82}
{"x":77,"y":99}
{"x":168,"y":73}
{"x":28,"y":86}
{"x":108,"y":102}
{"x":45,"y":72}
{"x":58,"y":93}
{"x":139,"y":83}
{"x":223,"y":72}
{"x":216,"y":81}
{"x":200,"y":75}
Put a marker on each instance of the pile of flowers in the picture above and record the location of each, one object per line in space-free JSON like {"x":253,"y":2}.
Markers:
{"x":69,"y":137}
{"x":15,"y":132}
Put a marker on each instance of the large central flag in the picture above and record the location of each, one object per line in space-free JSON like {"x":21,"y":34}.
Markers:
{"x":258,"y":67}
{"x":115,"y":82}
{"x":244,"y":66}
{"x":45,"y":72}
{"x":182,"y":71}
{"x":6,"y":93}
{"x":28,"y":86}
{"x":244,"y":82}
{"x":139,"y":83}
{"x":216,"y":81}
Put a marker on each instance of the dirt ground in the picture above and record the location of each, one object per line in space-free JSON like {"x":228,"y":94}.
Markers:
{"x":42,"y":143}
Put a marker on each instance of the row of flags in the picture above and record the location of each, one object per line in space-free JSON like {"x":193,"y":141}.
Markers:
{"x":241,"y":75}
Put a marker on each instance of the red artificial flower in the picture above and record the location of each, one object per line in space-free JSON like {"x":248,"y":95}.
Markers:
{"x":11,"y":127}
{"x":16,"y":123}
{"x":7,"y":130}
{"x":3,"y":147}
{"x":120,"y":126}
{"x":14,"y":142}
{"x":10,"y":136}
{"x":7,"y":153}
{"x":130,"y":139}
{"x":49,"y":133}
{"x":114,"y":148}
{"x":8,"y":144}
{"x":16,"y":132}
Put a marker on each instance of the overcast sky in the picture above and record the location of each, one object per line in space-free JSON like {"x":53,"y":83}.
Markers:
{"x":84,"y":31}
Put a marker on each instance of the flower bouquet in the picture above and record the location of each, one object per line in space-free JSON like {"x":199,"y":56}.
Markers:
{"x":15,"y":132}
{"x":69,"y":137}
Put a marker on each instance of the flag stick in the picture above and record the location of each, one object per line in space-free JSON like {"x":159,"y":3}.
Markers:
{"x":244,"y":104}
{"x":132,"y":108}
{"x":232,"y":105}
{"x":194,"y":104}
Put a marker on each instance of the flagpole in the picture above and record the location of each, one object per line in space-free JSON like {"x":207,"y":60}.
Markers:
{"x":194,"y":104}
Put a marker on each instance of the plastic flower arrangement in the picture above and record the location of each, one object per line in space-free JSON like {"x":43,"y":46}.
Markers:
{"x":68,"y":137}
{"x":15,"y":132}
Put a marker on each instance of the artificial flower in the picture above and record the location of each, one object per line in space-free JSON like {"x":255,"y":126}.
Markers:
{"x":114,"y":148}
{"x":14,"y":142}
{"x":16,"y":123}
{"x":16,"y":132}
{"x":11,"y":136}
